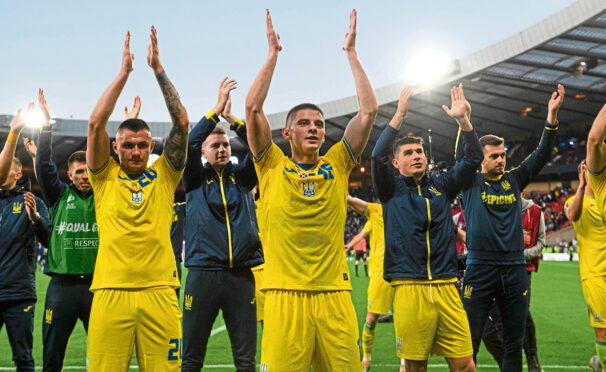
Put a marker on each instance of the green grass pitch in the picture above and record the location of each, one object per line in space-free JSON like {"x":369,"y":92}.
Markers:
{"x":565,"y":340}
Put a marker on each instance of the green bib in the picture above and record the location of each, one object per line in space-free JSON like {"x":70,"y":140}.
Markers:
{"x":74,"y":240}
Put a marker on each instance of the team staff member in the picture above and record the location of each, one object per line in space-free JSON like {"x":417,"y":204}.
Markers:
{"x":585,"y":215}
{"x":306,"y":281}
{"x":496,"y":267}
{"x":222,"y":241}
{"x":23,"y":222}
{"x":135,"y":277}
{"x":72,"y":248}
{"x":420,"y":256}
{"x":380,"y":292}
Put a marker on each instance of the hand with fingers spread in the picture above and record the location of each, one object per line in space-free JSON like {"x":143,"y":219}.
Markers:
{"x":20,"y":118}
{"x":127,"y":56}
{"x":460,"y":109}
{"x":273,"y":38}
{"x":44,"y":108}
{"x":555,"y":102}
{"x":134,"y":113}
{"x":30,"y":207}
{"x":30,"y":147}
{"x":153,"y":53}
{"x":225,"y":88}
{"x":349,"y":45}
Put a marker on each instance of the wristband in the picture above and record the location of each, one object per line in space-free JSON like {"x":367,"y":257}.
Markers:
{"x":12,"y":137}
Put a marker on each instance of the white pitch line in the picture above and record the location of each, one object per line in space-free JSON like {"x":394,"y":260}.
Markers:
{"x":218,"y":330}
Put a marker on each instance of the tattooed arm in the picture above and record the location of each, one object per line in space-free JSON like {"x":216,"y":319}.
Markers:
{"x":175,"y":147}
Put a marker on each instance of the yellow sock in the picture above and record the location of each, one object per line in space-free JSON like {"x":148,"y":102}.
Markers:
{"x":600,"y":348}
{"x":368,"y":339}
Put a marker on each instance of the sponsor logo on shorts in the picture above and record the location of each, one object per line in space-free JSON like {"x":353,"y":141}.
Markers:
{"x":253,"y":300}
{"x":525,"y":293}
{"x":188,"y":301}
{"x":27,"y":309}
{"x":345,"y":277}
{"x":399,"y":343}
{"x":263,"y":367}
{"x":596,"y":317}
{"x":48,"y":316}
{"x":468,"y":290}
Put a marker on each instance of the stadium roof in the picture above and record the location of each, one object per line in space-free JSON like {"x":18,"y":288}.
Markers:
{"x":508,"y":85}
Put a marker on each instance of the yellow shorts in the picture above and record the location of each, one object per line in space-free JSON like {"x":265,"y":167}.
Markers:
{"x":148,"y":318}
{"x":259,"y":296}
{"x":309,"y":328}
{"x":380,"y":294}
{"x":429,"y":319}
{"x":594,"y":290}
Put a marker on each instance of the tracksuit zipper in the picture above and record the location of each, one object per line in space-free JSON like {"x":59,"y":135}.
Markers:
{"x":427,"y":231}
{"x":231,"y":263}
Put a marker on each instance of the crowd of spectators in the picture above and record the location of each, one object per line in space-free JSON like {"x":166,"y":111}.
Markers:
{"x":552,"y":204}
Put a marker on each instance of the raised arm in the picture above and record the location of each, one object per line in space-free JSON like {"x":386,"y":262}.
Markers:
{"x":461,"y":175}
{"x":596,"y":149}
{"x":574,"y":209}
{"x":258,"y":130}
{"x":8,"y":152}
{"x":359,"y":127}
{"x":97,"y":143}
{"x":382,"y":171}
{"x":533,"y":164}
{"x":192,"y":177}
{"x":356,"y":204}
{"x":46,"y":170}
{"x":235,"y":124}
{"x":175,"y":147}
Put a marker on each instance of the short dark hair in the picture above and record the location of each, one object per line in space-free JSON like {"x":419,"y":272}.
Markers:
{"x":492,"y":140}
{"x":303,"y":106}
{"x":584,"y":161}
{"x":76,"y":157}
{"x":134,"y":124}
{"x":218,"y":130}
{"x":406,"y":140}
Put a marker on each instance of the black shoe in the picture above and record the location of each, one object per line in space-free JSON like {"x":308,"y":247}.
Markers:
{"x":533,"y":363}
{"x":386,"y":319}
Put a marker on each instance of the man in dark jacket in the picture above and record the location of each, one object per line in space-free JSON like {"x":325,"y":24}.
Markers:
{"x":496,"y":267}
{"x":23,"y":222}
{"x":72,"y":248}
{"x":420,"y":256}
{"x":222,"y":241}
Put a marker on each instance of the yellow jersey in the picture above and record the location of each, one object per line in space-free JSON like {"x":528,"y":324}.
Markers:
{"x":598,"y":185}
{"x":591,"y":239}
{"x":134,"y":219}
{"x":375,"y":230}
{"x":303,"y":223}
{"x":259,"y":219}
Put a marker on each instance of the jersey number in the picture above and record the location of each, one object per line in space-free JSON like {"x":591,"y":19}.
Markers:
{"x":175,"y":353}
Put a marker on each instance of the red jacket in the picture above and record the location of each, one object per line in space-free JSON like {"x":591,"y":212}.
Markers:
{"x":531,"y":218}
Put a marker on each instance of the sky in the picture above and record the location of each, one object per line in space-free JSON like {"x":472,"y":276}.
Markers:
{"x":72,"y":49}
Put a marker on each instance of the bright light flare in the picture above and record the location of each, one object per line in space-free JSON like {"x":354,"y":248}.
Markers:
{"x":427,"y":67}
{"x":34,"y":118}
